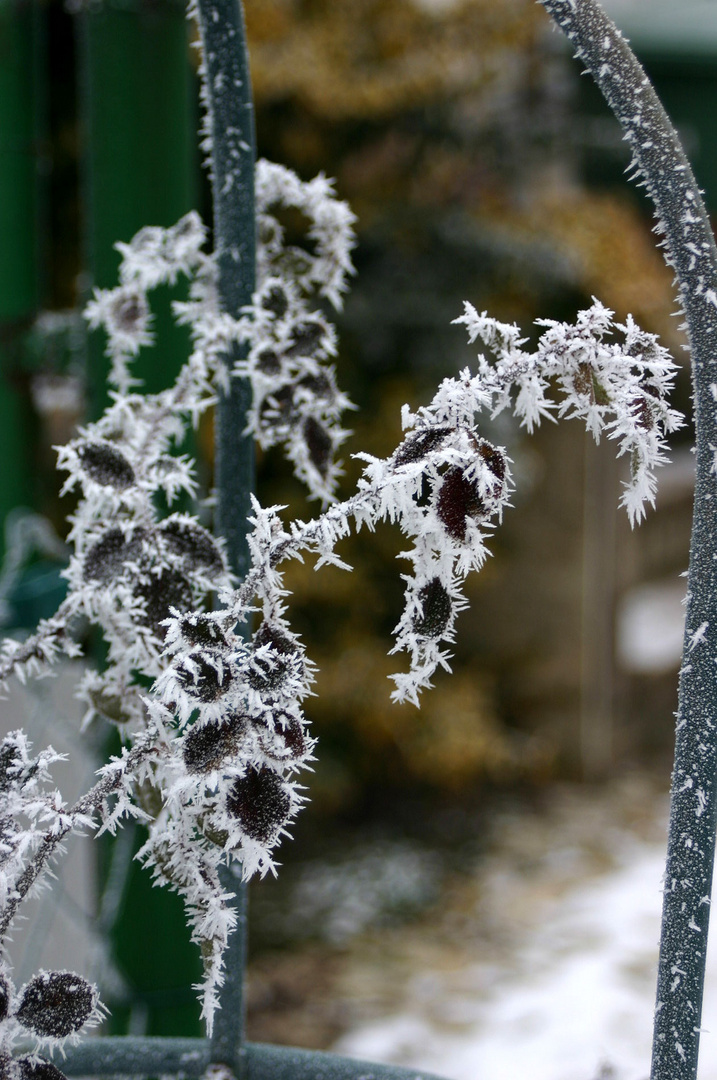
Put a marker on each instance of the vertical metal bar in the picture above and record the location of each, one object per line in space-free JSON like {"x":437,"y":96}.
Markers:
{"x":21,"y":258}
{"x":139,"y":167}
{"x":232,"y":146}
{"x":689,"y":244}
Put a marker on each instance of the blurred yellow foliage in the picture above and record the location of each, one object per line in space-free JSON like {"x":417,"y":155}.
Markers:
{"x":369,"y":58}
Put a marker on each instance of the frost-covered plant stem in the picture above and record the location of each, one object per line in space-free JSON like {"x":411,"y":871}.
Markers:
{"x":230,"y":144}
{"x":660,"y":163}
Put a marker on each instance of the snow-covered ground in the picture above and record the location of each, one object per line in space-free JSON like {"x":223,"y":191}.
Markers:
{"x":572,"y":1001}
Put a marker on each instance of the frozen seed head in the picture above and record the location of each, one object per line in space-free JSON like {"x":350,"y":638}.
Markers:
{"x":268,"y":362}
{"x":458,"y":499}
{"x":260,"y":803}
{"x":160,"y":592}
{"x":56,"y":1004}
{"x":208,"y":746}
{"x":5,"y":996}
{"x":495,"y":460}
{"x":106,"y":558}
{"x":200,"y":630}
{"x":191,"y":542}
{"x":306,"y":337}
{"x":203,"y":679}
{"x":268,"y":634}
{"x":437,"y":608}
{"x":127,"y":313}
{"x":36,"y":1068}
{"x":105,"y":464}
{"x":290,"y":736}
{"x":418,"y":444}
{"x":275,"y":300}
{"x":319,"y":445}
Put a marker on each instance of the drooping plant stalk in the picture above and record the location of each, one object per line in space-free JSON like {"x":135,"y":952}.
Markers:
{"x":230,"y":144}
{"x":660,"y":163}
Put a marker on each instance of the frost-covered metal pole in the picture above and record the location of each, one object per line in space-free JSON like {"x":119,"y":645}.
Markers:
{"x":230,"y":143}
{"x":689,"y":248}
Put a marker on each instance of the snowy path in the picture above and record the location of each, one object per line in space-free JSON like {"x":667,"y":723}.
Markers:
{"x":573,"y":1002}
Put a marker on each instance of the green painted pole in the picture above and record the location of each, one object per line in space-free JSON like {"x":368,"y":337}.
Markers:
{"x":21,"y":116}
{"x":139,"y":167}
{"x":229,"y":125}
{"x":139,"y":122}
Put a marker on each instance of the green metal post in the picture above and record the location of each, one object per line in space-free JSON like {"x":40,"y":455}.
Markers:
{"x":21,"y":111}
{"x":230,"y":127}
{"x":139,"y":122}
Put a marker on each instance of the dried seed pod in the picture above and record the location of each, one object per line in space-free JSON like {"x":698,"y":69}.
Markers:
{"x":495,"y":460}
{"x":306,"y":337}
{"x":55,"y":1004}
{"x":260,"y":802}
{"x":193,"y":543}
{"x":106,"y":558}
{"x":268,"y":361}
{"x":289,"y":736}
{"x":458,"y":499}
{"x":106,"y":465}
{"x":202,"y":631}
{"x":418,"y":444}
{"x":318,"y":444}
{"x":202,"y":678}
{"x":34,"y":1068}
{"x":207,"y":747}
{"x":128,"y":312}
{"x":437,"y":607}
{"x":269,"y":634}
{"x":160,"y":592}
{"x":319,"y":386}
{"x":267,"y":672}
{"x":5,"y":996}
{"x":275,"y":300}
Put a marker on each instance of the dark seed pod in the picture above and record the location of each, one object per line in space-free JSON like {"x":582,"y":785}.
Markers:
{"x":106,"y":558}
{"x":208,"y":746}
{"x":160,"y":592}
{"x":437,"y":608}
{"x":128,"y":312}
{"x":202,"y":679}
{"x":268,"y":362}
{"x":106,"y":465}
{"x":39,"y":1069}
{"x":10,"y":763}
{"x":5,"y":996}
{"x":642,"y":411}
{"x":268,"y":672}
{"x":319,"y":444}
{"x":458,"y":499}
{"x":56,"y":1004}
{"x":291,"y":733}
{"x":201,"y":630}
{"x":319,"y":386}
{"x":278,"y":406}
{"x":494,"y":459}
{"x":276,"y":301}
{"x":306,"y":337}
{"x":193,"y":543}
{"x":267,"y":634}
{"x":419,"y":443}
{"x":260,"y":803}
